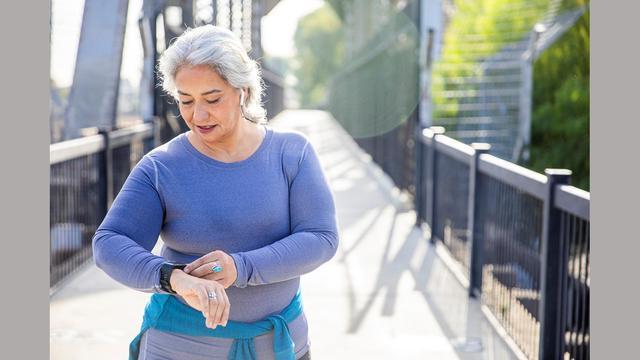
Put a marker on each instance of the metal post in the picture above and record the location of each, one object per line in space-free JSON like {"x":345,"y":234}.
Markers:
{"x":157,"y":131}
{"x":230,"y":3}
{"x":257,"y":9}
{"x":149,"y":98}
{"x":107,"y":171}
{"x":475,"y":238}
{"x":419,"y":178}
{"x":214,"y":12}
{"x":554,"y":270}
{"x":524,"y":116}
{"x":187,"y":13}
{"x":521,"y":148}
{"x":431,"y":181}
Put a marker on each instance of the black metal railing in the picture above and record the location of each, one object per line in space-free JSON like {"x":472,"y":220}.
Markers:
{"x":86,"y":174}
{"x":509,"y":224}
{"x":522,"y":237}
{"x":450,"y":222}
{"x":386,"y":149}
{"x":76,"y":209}
{"x":574,"y":233}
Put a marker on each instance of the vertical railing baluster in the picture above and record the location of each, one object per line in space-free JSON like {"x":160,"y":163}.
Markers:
{"x":432,"y":183}
{"x":475,"y":237}
{"x":106,"y":172}
{"x":554,"y":270}
{"x":419,"y":149}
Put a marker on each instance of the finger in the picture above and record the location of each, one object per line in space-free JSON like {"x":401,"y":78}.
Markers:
{"x":220,"y":306}
{"x":215,"y":266}
{"x":204,"y":269}
{"x":227,"y":309}
{"x":198,"y":262}
{"x":224,"y":281}
{"x":215,"y":277}
{"x":200,"y":270}
{"x":213,"y":306}
{"x":204,"y":301}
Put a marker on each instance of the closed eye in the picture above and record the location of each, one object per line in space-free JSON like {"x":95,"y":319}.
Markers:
{"x":186,"y":102}
{"x":214,"y":101}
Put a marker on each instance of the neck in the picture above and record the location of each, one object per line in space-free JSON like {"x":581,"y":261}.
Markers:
{"x":235,"y":146}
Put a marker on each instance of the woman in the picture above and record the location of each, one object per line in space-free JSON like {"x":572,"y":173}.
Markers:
{"x":245,"y":207}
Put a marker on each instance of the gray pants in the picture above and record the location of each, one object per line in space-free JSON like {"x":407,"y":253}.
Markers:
{"x":161,"y":345}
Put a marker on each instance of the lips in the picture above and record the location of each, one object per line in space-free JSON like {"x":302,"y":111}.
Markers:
{"x":205,"y":129}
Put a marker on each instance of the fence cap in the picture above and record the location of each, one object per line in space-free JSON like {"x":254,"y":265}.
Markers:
{"x":430,"y":132}
{"x":437,"y":129}
{"x":479,"y":146}
{"x":557,"y":172}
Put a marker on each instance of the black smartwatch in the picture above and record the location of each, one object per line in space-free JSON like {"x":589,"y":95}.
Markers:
{"x":165,"y":275}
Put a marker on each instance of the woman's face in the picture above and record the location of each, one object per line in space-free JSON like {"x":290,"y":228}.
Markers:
{"x":208,"y":104}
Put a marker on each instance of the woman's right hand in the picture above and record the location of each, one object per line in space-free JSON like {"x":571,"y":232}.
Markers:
{"x":195,"y":292}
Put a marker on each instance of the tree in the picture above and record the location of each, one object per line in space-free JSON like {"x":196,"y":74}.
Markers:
{"x":560,"y":119}
{"x":560,"y":111}
{"x":319,"y":53}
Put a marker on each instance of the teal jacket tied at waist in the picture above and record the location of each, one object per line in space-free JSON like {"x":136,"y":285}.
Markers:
{"x":166,"y":313}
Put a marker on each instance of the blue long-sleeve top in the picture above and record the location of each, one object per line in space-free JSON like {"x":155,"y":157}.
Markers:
{"x":272,"y":212}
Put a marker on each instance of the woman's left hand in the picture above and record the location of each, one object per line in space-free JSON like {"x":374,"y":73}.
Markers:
{"x":216,"y":265}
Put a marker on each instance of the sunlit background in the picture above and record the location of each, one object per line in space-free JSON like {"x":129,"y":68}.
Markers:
{"x":477,"y":86}
{"x":460,"y":105}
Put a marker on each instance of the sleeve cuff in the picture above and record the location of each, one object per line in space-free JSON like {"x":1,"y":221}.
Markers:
{"x":157,"y":288}
{"x":241,"y":279}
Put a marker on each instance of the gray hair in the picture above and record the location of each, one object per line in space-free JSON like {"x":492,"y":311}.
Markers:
{"x":222,"y":50}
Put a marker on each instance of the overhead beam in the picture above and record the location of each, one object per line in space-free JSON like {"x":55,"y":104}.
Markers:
{"x":94,"y":92}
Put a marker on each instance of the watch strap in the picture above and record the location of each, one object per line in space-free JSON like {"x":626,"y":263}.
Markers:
{"x":165,"y":275}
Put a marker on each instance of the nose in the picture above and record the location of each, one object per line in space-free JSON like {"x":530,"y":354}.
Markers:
{"x":200,"y":114}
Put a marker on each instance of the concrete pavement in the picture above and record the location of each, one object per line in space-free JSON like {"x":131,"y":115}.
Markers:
{"x":387,"y":294}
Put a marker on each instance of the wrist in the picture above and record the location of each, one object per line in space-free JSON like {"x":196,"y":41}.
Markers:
{"x":175,"y":278}
{"x":167,"y":272}
{"x":240,"y":280}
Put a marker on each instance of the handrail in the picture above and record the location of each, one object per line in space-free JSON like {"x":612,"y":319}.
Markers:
{"x":454,"y":148}
{"x":123,"y":136}
{"x":71,"y":149}
{"x":75,"y":148}
{"x":573,"y":200}
{"x":517,"y":176}
{"x":546,"y":232}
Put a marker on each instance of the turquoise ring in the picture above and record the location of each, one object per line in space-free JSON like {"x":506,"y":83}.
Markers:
{"x":216,"y":268}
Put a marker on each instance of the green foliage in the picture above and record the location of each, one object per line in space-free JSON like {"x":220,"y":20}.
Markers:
{"x":560,"y":119}
{"x":320,"y":50}
{"x":572,"y":4}
{"x":491,"y":24}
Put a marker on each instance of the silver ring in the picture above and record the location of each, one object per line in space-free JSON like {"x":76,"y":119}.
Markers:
{"x":212,"y":295}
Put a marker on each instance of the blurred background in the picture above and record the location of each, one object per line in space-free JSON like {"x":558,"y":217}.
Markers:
{"x":472,"y":116}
